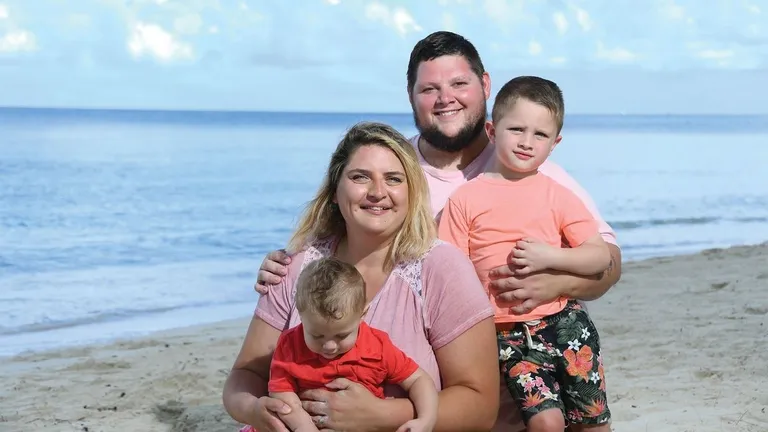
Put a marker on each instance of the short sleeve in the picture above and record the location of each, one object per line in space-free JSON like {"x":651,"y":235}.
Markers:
{"x":275,"y":307}
{"x":577,"y":224}
{"x":560,"y":176}
{"x":280,"y":377}
{"x":397,"y":364}
{"x":454,"y":298}
{"x":454,"y":225}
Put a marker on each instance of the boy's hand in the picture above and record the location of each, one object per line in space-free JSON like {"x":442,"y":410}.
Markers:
{"x":532,"y":255}
{"x":417,"y":425}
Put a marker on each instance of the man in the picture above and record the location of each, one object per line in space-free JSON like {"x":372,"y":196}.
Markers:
{"x":448,"y":88}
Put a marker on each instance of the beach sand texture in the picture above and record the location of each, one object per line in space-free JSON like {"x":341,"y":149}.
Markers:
{"x":685,"y":344}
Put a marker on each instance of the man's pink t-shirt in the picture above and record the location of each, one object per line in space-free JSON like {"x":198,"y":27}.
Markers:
{"x":424,"y":305}
{"x":442,"y":183}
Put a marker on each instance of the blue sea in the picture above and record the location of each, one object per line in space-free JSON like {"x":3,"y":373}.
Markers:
{"x":120,"y":223}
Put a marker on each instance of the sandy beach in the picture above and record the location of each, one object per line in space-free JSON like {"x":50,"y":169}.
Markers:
{"x":683,"y":337}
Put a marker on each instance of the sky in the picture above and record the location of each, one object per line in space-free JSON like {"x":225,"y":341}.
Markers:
{"x":609,"y":56}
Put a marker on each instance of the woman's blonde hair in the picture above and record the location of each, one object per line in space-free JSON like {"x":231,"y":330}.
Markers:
{"x":322,"y":218}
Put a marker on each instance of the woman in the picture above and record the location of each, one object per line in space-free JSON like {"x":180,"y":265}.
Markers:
{"x":372,"y":211}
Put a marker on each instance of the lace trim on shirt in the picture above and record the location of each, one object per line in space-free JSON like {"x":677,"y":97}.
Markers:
{"x":409,"y":271}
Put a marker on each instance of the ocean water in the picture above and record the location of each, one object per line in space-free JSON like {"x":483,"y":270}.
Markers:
{"x":119,"y":223}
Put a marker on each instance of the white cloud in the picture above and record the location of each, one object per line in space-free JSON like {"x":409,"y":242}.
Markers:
{"x":188,"y":24}
{"x":3,"y":11}
{"x":17,"y":41}
{"x":711,"y":54}
{"x":755,"y":9}
{"x":507,"y":11}
{"x":153,"y":40}
{"x":449,"y":23}
{"x":616,"y":55}
{"x":558,"y":60}
{"x":333,"y":2}
{"x":584,"y":20}
{"x":79,"y":20}
{"x":534,"y":48}
{"x":377,"y":12}
{"x":722,"y":57}
{"x":561,"y":22}
{"x":671,"y":10}
{"x":398,"y":18}
{"x":213,"y":29}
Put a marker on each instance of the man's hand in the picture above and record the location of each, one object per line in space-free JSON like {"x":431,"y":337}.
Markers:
{"x":272,"y":270}
{"x":531,"y":255}
{"x":530,"y":290}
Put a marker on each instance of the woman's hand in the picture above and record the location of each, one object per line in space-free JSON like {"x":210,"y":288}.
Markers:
{"x":351,"y":407}
{"x":264,"y":417}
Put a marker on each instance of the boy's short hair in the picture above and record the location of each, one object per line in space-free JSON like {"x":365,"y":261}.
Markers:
{"x":330,"y":288}
{"x":535,"y":89}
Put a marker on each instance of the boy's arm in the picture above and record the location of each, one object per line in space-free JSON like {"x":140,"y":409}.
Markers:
{"x":298,"y":420}
{"x":589,"y":258}
{"x":589,"y":254}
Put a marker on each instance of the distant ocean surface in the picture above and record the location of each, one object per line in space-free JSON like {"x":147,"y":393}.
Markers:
{"x":118,"y":223}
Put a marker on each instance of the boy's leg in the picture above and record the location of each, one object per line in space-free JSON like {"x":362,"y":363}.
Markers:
{"x":581,"y":370}
{"x":298,"y":420}
{"x":529,"y":374}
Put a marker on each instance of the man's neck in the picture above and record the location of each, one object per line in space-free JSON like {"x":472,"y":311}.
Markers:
{"x":452,"y":161}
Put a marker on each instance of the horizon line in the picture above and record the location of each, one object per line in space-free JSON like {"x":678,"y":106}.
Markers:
{"x":310,"y":112}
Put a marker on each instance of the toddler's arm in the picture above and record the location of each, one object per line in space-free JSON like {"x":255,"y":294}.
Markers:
{"x":298,"y":420}
{"x":421,"y":390}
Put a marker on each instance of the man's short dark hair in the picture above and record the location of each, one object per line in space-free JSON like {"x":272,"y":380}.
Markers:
{"x":439,"y":44}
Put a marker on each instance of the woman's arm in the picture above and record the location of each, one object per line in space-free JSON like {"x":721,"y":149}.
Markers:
{"x":247,"y":381}
{"x":469,"y":368}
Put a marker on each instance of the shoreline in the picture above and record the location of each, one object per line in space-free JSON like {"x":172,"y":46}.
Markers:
{"x":683,"y":337}
{"x":104,"y":332}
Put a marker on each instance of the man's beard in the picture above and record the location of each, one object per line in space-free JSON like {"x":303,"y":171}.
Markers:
{"x":462,"y":140}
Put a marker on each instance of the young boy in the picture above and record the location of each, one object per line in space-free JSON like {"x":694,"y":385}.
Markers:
{"x":512,"y":214}
{"x":333,"y":341}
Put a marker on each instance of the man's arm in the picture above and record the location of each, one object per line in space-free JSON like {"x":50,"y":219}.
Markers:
{"x":589,"y":288}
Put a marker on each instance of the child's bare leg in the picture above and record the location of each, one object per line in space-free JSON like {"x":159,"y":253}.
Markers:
{"x":298,"y":420}
{"x":549,"y":420}
{"x":589,"y":428}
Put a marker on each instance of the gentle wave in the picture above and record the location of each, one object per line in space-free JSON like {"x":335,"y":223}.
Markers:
{"x":101,"y":318}
{"x":683,"y":221}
